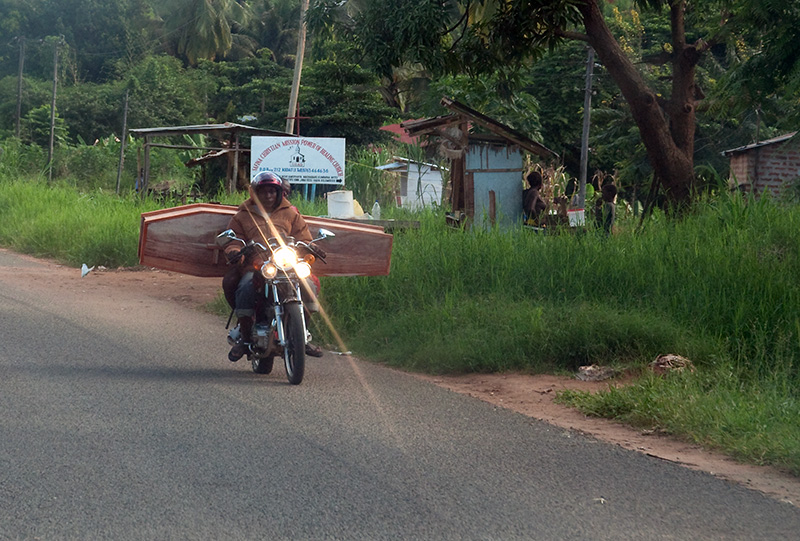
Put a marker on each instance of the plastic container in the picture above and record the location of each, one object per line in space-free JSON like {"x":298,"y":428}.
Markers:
{"x":376,"y":211}
{"x":340,"y":204}
{"x":576,"y":217}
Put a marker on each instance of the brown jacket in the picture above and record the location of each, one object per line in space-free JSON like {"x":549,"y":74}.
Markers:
{"x":249,"y":223}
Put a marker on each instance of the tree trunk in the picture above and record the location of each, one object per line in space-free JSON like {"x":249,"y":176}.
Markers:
{"x":666,"y":127}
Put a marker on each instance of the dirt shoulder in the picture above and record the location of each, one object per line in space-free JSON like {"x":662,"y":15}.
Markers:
{"x":528,"y":395}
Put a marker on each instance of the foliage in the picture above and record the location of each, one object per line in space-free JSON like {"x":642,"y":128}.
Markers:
{"x":768,"y":45}
{"x":74,"y":227}
{"x":502,"y":39}
{"x":367,"y":183}
{"x":98,"y":34}
{"x":342,"y":101}
{"x":19,"y":160}
{"x":255,"y":87}
{"x":35,"y":127}
{"x":274,"y":27}
{"x":34,"y":94}
{"x":520,"y":111}
{"x":92,"y":110}
{"x":202,"y":29}
{"x":163,"y":93}
{"x":753,"y":422}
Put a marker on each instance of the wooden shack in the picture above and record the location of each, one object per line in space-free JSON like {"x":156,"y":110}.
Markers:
{"x":486,"y":169}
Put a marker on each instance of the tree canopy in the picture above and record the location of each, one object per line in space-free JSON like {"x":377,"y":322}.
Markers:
{"x":675,"y":79}
{"x":503,"y":37}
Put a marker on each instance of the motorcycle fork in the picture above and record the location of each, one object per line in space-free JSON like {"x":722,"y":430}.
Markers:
{"x":279,"y":312}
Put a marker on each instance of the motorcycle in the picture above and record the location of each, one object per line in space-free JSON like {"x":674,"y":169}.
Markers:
{"x":279,"y":327}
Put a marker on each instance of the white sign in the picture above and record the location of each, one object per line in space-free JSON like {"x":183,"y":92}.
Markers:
{"x":315,"y":160}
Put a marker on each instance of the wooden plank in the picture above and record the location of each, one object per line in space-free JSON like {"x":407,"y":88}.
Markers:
{"x":469,"y":196}
{"x":182,"y":239}
{"x":386,"y":225}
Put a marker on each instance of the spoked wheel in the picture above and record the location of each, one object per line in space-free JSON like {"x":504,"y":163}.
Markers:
{"x":263,"y":365}
{"x":294,"y":354}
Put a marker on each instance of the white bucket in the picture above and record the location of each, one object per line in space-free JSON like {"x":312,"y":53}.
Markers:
{"x":576,"y":217}
{"x":340,"y":204}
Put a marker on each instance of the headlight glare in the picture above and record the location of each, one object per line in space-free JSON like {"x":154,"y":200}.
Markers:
{"x":303,"y":270}
{"x":284,"y":257}
{"x":268,"y":271}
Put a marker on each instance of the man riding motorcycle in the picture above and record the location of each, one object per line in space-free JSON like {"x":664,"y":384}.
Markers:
{"x":265,"y":214}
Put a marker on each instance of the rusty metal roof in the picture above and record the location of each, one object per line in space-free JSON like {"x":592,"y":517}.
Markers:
{"x":463,"y":113}
{"x":218,"y":130}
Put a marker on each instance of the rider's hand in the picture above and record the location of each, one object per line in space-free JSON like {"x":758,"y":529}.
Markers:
{"x":234,"y":257}
{"x":322,"y":254}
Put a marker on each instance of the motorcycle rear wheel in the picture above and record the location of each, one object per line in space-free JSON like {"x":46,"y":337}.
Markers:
{"x":294,"y":354}
{"x":263,"y":365}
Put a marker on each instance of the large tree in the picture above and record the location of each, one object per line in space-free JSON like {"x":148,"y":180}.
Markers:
{"x":502,"y":35}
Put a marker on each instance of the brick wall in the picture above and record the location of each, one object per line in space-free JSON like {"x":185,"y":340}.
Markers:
{"x":770,"y":165}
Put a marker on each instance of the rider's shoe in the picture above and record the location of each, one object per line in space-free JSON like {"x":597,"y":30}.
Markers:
{"x":237,"y":351}
{"x":313,"y":351}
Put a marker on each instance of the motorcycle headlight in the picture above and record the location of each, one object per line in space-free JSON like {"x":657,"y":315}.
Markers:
{"x":303,"y":270}
{"x":268,"y":271}
{"x":284,"y":257}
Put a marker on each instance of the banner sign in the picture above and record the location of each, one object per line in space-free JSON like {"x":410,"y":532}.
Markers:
{"x":313,"y":160}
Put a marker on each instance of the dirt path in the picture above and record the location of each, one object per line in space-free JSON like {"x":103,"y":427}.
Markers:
{"x":529,"y":395}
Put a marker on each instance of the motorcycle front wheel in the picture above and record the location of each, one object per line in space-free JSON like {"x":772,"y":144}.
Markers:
{"x":294,"y":354}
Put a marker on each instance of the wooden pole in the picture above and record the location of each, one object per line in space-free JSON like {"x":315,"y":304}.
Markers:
{"x":53,"y":113}
{"x":587,"y":111}
{"x":123,"y":139}
{"x":146,"y":172}
{"x":298,"y":67}
{"x":19,"y":83}
{"x":235,"y":182}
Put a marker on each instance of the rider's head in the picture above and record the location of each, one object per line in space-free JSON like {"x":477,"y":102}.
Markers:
{"x":267,"y":187}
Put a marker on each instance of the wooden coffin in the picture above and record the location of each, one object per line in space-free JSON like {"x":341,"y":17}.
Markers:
{"x":182,"y":239}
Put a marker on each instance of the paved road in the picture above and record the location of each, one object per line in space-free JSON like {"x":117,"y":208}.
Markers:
{"x":121,"y":419}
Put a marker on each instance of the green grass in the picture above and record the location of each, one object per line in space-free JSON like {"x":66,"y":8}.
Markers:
{"x":753,"y":421}
{"x":718,"y":286}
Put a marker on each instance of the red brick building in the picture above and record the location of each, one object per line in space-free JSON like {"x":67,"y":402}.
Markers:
{"x":765,"y":167}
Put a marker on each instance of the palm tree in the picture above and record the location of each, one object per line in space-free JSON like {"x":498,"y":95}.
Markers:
{"x":203,"y":29}
{"x":274,"y":26}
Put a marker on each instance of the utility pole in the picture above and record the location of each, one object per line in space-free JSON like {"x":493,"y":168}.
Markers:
{"x":53,"y":111}
{"x":19,"y":83}
{"x":123,"y":139}
{"x":298,"y":68}
{"x":587,"y":111}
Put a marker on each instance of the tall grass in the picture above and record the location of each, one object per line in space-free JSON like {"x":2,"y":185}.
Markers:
{"x":57,"y":221}
{"x":719,"y":284}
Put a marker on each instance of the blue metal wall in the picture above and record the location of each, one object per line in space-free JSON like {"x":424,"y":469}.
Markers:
{"x":496,"y":168}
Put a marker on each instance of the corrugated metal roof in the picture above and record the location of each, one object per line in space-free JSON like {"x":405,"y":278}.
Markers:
{"x":227,"y":127}
{"x":403,"y":163}
{"x":462,"y":112}
{"x":773,"y":141}
{"x":399,"y":133}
